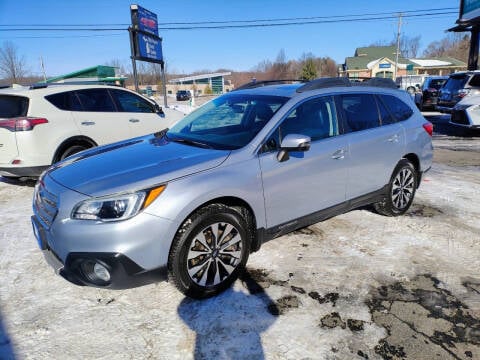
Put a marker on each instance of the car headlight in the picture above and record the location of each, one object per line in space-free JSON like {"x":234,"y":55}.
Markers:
{"x":115,"y":207}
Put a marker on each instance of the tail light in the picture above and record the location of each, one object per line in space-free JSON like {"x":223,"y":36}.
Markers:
{"x":22,"y":123}
{"x":428,"y":126}
{"x":462,"y":93}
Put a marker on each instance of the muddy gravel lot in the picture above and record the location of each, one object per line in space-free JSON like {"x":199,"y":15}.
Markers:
{"x":357,"y":286}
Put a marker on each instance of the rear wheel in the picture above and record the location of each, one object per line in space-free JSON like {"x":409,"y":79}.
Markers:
{"x":72,"y":150}
{"x":209,"y":251}
{"x":401,"y":190}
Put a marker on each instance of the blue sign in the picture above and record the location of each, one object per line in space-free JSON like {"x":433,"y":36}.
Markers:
{"x":149,"y":47}
{"x":385,"y":66}
{"x":146,"y":21}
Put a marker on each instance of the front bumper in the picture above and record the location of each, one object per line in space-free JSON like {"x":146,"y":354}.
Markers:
{"x":123,"y":272}
{"x":133,"y":251}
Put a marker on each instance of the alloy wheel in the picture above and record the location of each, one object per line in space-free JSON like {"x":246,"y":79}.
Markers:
{"x":214,"y":254}
{"x":403,"y":188}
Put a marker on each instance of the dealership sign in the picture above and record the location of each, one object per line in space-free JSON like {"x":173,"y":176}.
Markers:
{"x":146,"y":44}
{"x":469,"y":9}
{"x":149,"y":47}
{"x":385,"y":66}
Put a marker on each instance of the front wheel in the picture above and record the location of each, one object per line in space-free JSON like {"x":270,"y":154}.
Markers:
{"x":208,"y":251}
{"x":401,"y":190}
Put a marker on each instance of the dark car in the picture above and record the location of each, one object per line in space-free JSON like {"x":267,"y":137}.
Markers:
{"x":427,"y":97}
{"x":457,"y":86}
{"x":183,"y":95}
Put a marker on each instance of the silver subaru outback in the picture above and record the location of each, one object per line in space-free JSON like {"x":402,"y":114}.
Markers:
{"x":190,"y":203}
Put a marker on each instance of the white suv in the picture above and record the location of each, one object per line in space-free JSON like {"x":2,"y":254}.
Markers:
{"x":42,"y":125}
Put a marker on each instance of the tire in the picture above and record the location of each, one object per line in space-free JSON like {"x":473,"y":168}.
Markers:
{"x":401,"y":190}
{"x":198,"y":265}
{"x":72,"y":150}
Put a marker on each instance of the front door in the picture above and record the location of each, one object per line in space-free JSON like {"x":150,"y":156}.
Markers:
{"x":308,"y":181}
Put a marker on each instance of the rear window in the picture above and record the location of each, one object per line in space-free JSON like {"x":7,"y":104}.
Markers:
{"x":96,"y":100}
{"x":436,"y":83}
{"x":13,"y":106}
{"x":397,"y":107}
{"x":475,"y":80}
{"x":455,"y":83}
{"x":65,"y":101}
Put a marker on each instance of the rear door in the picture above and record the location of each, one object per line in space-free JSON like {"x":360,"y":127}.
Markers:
{"x":375,"y":144}
{"x":97,"y":116}
{"x":141,"y":114}
{"x":11,"y":107}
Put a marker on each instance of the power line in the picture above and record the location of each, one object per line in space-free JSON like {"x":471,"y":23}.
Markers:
{"x":249,"y":21}
{"x":266,"y":22}
{"x":293,"y":20}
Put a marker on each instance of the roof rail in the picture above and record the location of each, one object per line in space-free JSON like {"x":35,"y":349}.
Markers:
{"x":38,"y":86}
{"x":378,"y":82}
{"x":325,"y":82}
{"x":255,"y":84}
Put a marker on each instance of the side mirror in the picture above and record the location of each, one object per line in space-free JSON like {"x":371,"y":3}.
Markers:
{"x":293,"y":142}
{"x":159,"y":110}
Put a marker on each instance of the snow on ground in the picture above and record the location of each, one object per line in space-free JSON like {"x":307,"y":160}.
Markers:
{"x":358,"y":285}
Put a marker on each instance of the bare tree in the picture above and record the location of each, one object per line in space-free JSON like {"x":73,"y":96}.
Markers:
{"x":409,"y":46}
{"x":12,"y":65}
{"x":454,"y":45}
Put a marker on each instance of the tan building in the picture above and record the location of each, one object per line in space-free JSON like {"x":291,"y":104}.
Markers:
{"x":379,"y":61}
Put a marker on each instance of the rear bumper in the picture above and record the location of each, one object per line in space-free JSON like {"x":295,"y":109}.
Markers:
{"x":15,"y":171}
{"x":443,"y":109}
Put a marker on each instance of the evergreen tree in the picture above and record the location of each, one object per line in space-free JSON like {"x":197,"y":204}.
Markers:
{"x":309,"y":71}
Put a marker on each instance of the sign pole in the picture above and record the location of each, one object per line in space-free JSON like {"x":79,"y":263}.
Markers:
{"x":164,"y":85}
{"x":134,"y":63}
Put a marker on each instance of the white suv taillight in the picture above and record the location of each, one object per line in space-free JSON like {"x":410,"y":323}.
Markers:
{"x":22,"y":123}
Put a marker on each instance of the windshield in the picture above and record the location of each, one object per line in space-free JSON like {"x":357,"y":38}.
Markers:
{"x":228,"y":122}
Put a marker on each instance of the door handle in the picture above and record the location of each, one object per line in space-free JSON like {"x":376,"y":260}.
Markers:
{"x":394,"y":138}
{"x":88,"y":123}
{"x":134,"y":120}
{"x":339,"y":154}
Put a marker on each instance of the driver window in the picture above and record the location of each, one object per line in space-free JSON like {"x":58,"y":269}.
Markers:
{"x":316,"y":118}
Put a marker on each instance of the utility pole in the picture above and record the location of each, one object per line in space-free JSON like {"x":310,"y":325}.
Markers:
{"x":43,"y":69}
{"x":398,"y":43}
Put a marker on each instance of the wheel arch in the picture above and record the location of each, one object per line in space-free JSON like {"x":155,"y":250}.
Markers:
{"x":414,"y":159}
{"x":74,"y":140}
{"x":244,"y":209}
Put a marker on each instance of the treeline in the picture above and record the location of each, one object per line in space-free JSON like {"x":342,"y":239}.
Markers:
{"x":13,"y":67}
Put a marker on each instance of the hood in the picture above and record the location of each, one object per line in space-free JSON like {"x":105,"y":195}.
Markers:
{"x":132,"y":165}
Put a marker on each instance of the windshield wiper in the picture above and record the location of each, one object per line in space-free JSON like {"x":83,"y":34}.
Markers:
{"x":191,"y":142}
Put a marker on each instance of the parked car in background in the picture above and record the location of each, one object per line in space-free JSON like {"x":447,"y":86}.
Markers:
{"x":192,"y":202}
{"x":457,"y":86}
{"x":183,"y":95}
{"x":466,"y":112}
{"x":426,"y":97}
{"x":45,"y":124}
{"x":410,"y":83}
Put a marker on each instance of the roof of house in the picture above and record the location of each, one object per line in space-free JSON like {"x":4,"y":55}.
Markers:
{"x":367,"y":57}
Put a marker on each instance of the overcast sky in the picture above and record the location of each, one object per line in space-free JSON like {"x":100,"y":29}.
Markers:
{"x":234,"y":48}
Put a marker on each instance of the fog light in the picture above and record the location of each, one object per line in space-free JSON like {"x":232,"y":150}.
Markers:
{"x":101,"y":272}
{"x":95,"y":272}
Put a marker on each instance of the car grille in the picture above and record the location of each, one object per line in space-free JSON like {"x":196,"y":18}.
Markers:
{"x":459,"y":117}
{"x":45,"y":204}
